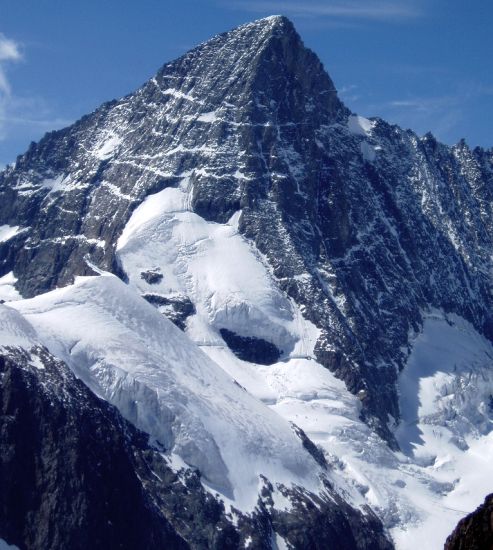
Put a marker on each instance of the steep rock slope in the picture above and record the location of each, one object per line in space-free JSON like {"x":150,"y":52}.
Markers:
{"x":68,"y":473}
{"x":363,"y":224}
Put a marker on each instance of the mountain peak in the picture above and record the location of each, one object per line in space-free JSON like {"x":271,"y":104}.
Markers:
{"x":249,"y":38}
{"x":236,"y":68}
{"x":234,"y":194}
{"x":273,"y":22}
{"x":273,"y":19}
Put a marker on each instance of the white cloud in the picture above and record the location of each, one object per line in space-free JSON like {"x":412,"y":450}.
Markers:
{"x":22,"y":117}
{"x":356,"y":9}
{"x":9,"y":52}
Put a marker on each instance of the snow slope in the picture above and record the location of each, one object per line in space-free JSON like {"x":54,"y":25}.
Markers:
{"x":420,"y":495}
{"x":15,"y":330}
{"x":211,"y":264}
{"x":132,"y":356}
{"x":447,"y":409}
{"x":8,"y":292}
{"x":214,"y":413}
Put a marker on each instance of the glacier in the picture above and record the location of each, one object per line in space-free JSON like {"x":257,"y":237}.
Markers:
{"x":420,"y":492}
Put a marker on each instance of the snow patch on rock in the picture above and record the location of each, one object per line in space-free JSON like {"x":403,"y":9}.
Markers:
{"x":106,"y":147}
{"x":368,"y":151}
{"x":360,"y":125}
{"x":8,"y":292}
{"x":209,"y":117}
{"x":55,"y":184}
{"x":7,"y":232}
{"x":210,"y":263}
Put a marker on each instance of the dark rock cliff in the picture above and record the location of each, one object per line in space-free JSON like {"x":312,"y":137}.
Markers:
{"x":475,"y":531}
{"x":69,"y":465}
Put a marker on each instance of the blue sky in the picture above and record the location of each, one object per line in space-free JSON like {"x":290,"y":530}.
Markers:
{"x":424,"y":64}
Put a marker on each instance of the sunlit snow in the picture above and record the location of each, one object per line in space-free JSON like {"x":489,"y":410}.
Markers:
{"x":360,"y":125}
{"x":230,"y":418}
{"x":8,"y":292}
{"x":131,"y":355}
{"x":7,"y":232}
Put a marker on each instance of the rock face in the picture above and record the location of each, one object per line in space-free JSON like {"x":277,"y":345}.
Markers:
{"x":475,"y":531}
{"x":177,"y":309}
{"x":70,"y":465}
{"x":254,"y":350}
{"x":363,"y":224}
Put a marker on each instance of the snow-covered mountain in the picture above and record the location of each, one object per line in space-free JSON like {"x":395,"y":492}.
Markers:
{"x":329,"y":277}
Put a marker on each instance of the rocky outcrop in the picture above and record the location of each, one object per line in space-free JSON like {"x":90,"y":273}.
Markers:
{"x":475,"y":531}
{"x":70,"y":466}
{"x":247,"y":348}
{"x":176,"y":308}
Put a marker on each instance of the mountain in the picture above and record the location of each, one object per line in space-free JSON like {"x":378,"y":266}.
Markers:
{"x":329,"y":277}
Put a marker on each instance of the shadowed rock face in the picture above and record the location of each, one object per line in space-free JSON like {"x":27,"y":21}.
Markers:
{"x":475,"y":531}
{"x":255,"y":350}
{"x":177,"y":309}
{"x":363,"y":224}
{"x":74,"y":474}
{"x":69,"y":465}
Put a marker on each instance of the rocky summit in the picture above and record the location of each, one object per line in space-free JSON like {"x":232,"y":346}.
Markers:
{"x":304,"y":254}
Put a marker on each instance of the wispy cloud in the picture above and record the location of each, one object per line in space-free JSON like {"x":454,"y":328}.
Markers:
{"x":9,"y":52}
{"x":349,"y":93}
{"x":425,"y":104}
{"x":33,"y":112}
{"x":442,"y":114}
{"x":18,"y":112}
{"x":377,"y":10}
